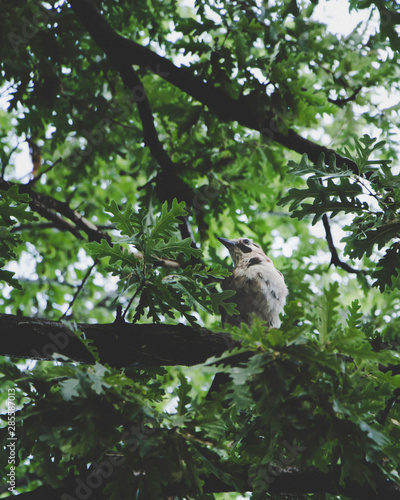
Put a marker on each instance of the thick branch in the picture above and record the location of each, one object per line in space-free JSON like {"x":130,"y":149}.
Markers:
{"x":124,"y":53}
{"x":169,"y":184}
{"x":134,"y":84}
{"x":122,"y":344}
{"x":50,"y":208}
{"x":119,"y":344}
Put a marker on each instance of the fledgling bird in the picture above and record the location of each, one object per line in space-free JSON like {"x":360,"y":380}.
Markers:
{"x":259,"y":286}
{"x":260,"y":290}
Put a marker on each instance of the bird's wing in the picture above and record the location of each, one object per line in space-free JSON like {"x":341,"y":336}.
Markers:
{"x":238,"y":285}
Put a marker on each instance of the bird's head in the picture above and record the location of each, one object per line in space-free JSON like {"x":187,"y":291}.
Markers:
{"x":243,"y":249}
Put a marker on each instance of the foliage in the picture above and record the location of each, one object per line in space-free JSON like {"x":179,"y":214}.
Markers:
{"x":132,"y":167}
{"x":371,"y":195}
{"x":317,"y":379}
{"x":13,"y":210}
{"x":166,"y":290}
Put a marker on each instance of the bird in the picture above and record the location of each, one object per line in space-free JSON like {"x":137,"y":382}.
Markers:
{"x":260,"y":288}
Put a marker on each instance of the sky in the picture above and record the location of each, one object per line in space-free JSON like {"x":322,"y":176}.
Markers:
{"x":335,"y":13}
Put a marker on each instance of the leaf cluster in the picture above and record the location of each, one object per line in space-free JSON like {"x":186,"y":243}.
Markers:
{"x":370,"y":197}
{"x":151,"y":260}
{"x":14,"y":209}
{"x":323,"y":374}
{"x":289,"y":384}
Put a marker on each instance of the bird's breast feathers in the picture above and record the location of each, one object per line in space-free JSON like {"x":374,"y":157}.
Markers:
{"x":262,"y":276}
{"x":261,"y":290}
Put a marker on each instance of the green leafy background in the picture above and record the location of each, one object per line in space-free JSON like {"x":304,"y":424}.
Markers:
{"x":323,"y":382}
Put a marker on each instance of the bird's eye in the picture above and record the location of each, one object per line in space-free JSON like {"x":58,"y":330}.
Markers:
{"x":246,"y":241}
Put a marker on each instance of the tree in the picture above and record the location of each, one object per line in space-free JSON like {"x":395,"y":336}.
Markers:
{"x":153,"y":128}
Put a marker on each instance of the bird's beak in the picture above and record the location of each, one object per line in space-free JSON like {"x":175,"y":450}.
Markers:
{"x":228,"y":243}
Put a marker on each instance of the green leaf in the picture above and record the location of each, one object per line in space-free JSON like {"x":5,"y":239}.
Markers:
{"x":14,"y":208}
{"x":327,"y":313}
{"x":124,"y":221}
{"x":116,"y":254}
{"x":354,"y":315}
{"x":7,"y":277}
{"x":377,"y":436}
{"x":331,"y":197}
{"x":174,"y":246}
{"x":321,"y":170}
{"x":369,"y":232}
{"x":165,"y":224}
{"x":70,"y":389}
{"x":387,"y":268}
{"x":218,"y":302}
{"x":183,"y":395}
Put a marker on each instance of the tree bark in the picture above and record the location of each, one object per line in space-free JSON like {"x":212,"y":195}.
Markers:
{"x":119,"y":344}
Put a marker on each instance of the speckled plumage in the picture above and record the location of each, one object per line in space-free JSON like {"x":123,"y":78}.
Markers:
{"x":259,"y":286}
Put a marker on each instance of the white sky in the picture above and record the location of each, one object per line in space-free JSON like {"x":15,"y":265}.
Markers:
{"x":335,"y":13}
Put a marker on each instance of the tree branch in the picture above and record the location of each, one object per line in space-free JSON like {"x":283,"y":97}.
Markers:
{"x":80,"y":288}
{"x":169,"y":184}
{"x":58,"y":221}
{"x":334,"y":255}
{"x":161,"y":345}
{"x":341,"y":102}
{"x":124,"y":53}
{"x":48,"y":207}
{"x":132,"y":344}
{"x":52,"y":225}
{"x":40,"y":174}
{"x":389,"y":405}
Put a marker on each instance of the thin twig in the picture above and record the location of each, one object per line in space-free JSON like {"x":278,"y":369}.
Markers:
{"x":342,"y":102}
{"x":139,"y":288}
{"x":334,"y":255}
{"x":371,"y":193}
{"x":33,"y":181}
{"x":389,"y":405}
{"x":80,"y":288}
{"x":51,"y":215}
